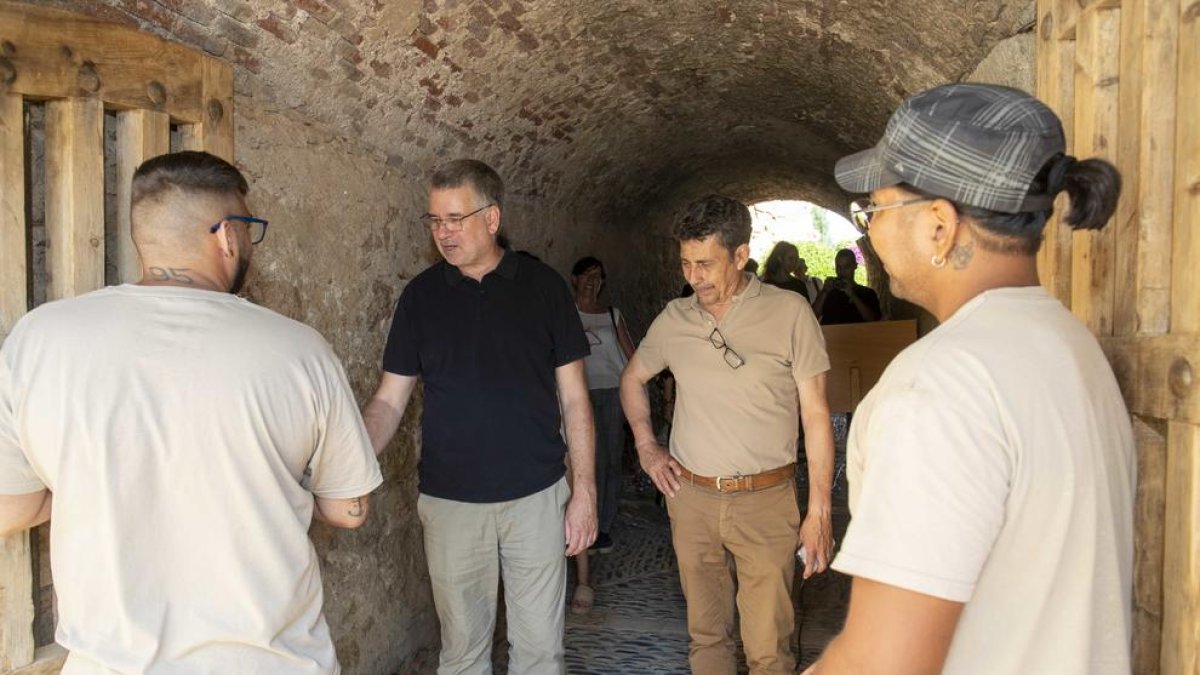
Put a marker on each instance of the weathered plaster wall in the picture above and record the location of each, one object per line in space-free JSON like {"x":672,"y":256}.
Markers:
{"x":605,"y":118}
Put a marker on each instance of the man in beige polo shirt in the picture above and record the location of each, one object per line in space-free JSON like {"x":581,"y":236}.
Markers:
{"x":749,"y":361}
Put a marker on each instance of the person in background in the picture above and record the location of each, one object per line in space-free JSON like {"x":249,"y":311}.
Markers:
{"x":783,"y":261}
{"x":751,"y":266}
{"x":992,"y":467}
{"x":611,"y":348}
{"x":844,"y":300}
{"x":812,"y":285}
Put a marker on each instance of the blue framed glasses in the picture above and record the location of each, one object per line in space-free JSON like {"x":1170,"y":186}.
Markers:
{"x":257,"y":226}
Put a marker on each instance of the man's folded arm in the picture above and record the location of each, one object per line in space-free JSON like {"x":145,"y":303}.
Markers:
{"x":21,"y":512}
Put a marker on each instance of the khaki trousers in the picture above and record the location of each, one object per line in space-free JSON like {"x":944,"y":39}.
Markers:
{"x":468,"y":546}
{"x":759,"y":532}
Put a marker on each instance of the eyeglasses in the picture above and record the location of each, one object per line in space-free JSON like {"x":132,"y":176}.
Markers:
{"x":592,"y":338}
{"x":861,"y":210}
{"x":732,"y":358}
{"x":451,"y":223}
{"x":257,"y":226}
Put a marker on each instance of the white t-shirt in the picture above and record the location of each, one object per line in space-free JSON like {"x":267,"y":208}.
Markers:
{"x":183,"y":433}
{"x":994,"y":465}
{"x":606,"y":361}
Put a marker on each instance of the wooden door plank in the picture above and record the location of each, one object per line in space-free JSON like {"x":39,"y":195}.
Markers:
{"x":16,"y":602}
{"x":1093,"y":266}
{"x":215,"y":133}
{"x":1185,"y":267}
{"x":1055,"y":65}
{"x":74,"y":196}
{"x":1157,"y":374}
{"x":1125,"y":234}
{"x":141,"y":134}
{"x":1181,"y":569}
{"x":1151,"y":437}
{"x":14,"y":281}
{"x":1156,"y":163}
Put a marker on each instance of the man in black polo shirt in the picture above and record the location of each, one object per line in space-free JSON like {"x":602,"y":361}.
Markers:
{"x":497,"y":341}
{"x":842,"y":299}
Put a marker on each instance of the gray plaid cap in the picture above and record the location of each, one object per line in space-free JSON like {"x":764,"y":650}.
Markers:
{"x":975,"y":144}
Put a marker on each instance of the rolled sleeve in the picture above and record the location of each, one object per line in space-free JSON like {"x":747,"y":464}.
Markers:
{"x":343,"y":465}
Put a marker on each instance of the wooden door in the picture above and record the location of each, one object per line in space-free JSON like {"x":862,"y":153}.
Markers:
{"x":82,"y":75}
{"x":1125,"y":77}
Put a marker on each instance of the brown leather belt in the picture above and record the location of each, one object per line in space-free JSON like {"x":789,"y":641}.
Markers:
{"x":758,"y":481}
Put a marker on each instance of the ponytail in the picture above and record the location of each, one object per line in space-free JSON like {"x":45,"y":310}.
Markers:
{"x":1093,"y":186}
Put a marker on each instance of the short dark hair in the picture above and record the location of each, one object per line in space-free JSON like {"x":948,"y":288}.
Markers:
{"x":190,"y":171}
{"x":727,"y":218}
{"x":586,"y":263}
{"x":482,"y":178}
{"x":1092,"y":185}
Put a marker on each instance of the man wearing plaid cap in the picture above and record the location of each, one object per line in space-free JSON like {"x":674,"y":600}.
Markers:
{"x":992,"y":467}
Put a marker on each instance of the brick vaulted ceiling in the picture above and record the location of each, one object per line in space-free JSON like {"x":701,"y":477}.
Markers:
{"x":616,"y":101}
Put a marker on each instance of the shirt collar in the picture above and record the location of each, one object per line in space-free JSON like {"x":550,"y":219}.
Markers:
{"x":507,"y":268}
{"x":752,"y":290}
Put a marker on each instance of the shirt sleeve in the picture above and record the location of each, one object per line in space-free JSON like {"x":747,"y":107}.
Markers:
{"x":17,"y":476}
{"x":570,"y":342}
{"x":650,"y":351}
{"x":809,"y":357}
{"x":402,"y":354}
{"x":343,"y":465}
{"x":934,"y":485}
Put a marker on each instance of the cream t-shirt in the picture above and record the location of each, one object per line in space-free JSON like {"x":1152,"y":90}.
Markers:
{"x":994,"y":465}
{"x":183,"y":433}
{"x":745,"y":420}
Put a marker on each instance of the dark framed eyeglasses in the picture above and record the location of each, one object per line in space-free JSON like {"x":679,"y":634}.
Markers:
{"x":593,"y":338}
{"x":257,"y":226}
{"x":451,"y":223}
{"x":732,"y":358}
{"x":862,"y":210}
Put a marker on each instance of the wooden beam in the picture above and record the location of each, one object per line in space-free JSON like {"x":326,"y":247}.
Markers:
{"x":1151,"y":437}
{"x":1159,"y":375}
{"x":53,"y":54}
{"x":1093,"y":264}
{"x":74,"y":196}
{"x":1055,"y":66}
{"x":1181,"y":570}
{"x":215,"y":133}
{"x":14,"y":237}
{"x":141,"y":134}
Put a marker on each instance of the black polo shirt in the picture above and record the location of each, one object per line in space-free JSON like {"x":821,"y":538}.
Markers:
{"x":486,"y":352}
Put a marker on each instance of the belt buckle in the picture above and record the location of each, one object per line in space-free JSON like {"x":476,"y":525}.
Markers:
{"x":720,"y":487}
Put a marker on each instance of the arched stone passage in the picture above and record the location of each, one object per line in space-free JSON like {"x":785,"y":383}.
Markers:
{"x":604,"y":117}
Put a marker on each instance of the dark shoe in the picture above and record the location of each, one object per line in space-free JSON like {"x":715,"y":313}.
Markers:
{"x":604,"y":544}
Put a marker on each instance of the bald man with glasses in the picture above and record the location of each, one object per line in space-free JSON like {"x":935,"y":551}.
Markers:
{"x":749,"y":361}
{"x":497,"y":341}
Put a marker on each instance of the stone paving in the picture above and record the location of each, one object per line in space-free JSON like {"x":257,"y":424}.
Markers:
{"x":638,"y":625}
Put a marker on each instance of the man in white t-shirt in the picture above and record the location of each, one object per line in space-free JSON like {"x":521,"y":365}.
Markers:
{"x":992,"y":468}
{"x":181,"y":440}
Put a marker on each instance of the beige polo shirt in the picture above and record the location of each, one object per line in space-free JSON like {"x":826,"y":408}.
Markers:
{"x":744,"y":420}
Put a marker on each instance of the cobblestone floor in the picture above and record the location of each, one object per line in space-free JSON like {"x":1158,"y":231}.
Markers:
{"x":638,"y":625}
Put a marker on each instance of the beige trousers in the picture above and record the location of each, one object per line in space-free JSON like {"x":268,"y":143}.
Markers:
{"x":758,"y":532}
{"x":468,"y":547}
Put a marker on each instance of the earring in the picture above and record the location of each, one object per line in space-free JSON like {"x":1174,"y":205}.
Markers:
{"x":937,"y":262}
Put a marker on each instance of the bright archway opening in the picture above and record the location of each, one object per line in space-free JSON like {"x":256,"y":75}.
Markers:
{"x":818,"y":233}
